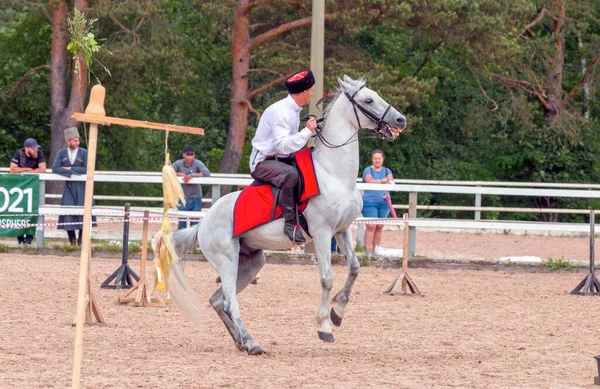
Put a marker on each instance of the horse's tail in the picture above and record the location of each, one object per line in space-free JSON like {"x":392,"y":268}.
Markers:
{"x":179,"y":288}
{"x":186,"y":239}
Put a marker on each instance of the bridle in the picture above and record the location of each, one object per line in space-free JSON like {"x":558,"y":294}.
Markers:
{"x":383,"y":130}
{"x":381,"y":125}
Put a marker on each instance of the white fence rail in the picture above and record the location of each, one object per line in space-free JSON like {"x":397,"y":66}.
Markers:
{"x":412,"y":187}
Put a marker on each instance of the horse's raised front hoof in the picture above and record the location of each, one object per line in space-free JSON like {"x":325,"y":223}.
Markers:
{"x":326,"y":337}
{"x":256,"y":350}
{"x":335,"y":319}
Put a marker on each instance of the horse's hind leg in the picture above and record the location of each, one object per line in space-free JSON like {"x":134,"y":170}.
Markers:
{"x":225,"y":303}
{"x":344,"y":241}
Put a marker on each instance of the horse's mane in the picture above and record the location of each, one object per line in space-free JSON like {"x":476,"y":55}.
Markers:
{"x":351,"y":87}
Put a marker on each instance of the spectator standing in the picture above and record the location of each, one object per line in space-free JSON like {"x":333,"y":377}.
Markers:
{"x":374,"y":203}
{"x":69,"y":161}
{"x":189,"y":167}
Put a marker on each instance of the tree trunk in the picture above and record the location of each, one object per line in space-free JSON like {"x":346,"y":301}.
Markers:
{"x":58,"y":74}
{"x":61,"y":109}
{"x":586,"y":83}
{"x":555,"y":75}
{"x":238,"y":119}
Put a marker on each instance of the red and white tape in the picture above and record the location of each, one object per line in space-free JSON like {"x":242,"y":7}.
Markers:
{"x":131,"y":220}
{"x":137,"y":219}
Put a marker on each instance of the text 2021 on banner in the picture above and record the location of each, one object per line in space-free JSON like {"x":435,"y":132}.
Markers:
{"x":18,"y":197}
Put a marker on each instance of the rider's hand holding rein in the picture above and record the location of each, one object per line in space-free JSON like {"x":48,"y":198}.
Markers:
{"x":311,"y":124}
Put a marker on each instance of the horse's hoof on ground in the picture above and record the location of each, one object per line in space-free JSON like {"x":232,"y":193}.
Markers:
{"x":256,"y":350}
{"x":241,"y":347}
{"x":218,"y":280}
{"x":326,"y":337}
{"x":254,"y":282}
{"x":335,"y":319}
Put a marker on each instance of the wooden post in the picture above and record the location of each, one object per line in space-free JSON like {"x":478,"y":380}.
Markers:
{"x":95,"y":115}
{"x":141,"y":295}
{"x":317,"y":55}
{"x":84,"y":297}
{"x":39,"y":231}
{"x":142,"y":298}
{"x":91,"y":308}
{"x":403,"y":283}
{"x":412,"y":231}
{"x":405,"y":244}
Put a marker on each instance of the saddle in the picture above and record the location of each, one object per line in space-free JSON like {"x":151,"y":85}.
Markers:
{"x":257,"y":204}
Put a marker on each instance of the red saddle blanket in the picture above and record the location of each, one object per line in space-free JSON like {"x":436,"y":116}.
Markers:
{"x":254,"y":206}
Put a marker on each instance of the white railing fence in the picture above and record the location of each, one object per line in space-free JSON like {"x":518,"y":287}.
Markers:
{"x":412,"y":187}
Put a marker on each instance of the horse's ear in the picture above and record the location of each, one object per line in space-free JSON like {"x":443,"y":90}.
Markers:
{"x":343,"y":84}
{"x":348,"y":79}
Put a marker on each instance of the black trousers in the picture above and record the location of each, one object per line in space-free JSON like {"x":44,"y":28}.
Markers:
{"x":284,"y":176}
{"x":276,"y":172}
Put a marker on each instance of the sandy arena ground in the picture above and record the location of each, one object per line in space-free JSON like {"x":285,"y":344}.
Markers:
{"x":472,"y":329}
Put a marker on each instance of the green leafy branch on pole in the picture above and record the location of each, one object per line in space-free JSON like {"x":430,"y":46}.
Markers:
{"x":83,"y":41}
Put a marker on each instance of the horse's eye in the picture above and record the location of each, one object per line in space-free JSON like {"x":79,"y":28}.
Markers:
{"x":369,"y":100}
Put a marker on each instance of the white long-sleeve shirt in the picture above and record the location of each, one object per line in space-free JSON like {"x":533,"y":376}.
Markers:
{"x":277,"y":133}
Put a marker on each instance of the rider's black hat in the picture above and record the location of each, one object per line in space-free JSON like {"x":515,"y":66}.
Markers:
{"x":300,"y":81}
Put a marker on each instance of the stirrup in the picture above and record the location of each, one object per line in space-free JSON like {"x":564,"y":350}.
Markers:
{"x":301,"y":238}
{"x":298,"y":228}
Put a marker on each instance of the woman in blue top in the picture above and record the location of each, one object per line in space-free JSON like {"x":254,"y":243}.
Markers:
{"x":374,"y":203}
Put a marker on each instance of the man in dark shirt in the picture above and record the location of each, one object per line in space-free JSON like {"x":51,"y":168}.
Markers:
{"x":72,"y":160}
{"x":29,"y":159}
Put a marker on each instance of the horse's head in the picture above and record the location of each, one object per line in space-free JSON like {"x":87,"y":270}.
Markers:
{"x":372,"y":113}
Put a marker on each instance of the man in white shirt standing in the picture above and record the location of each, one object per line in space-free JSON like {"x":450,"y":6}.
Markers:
{"x":277,"y":138}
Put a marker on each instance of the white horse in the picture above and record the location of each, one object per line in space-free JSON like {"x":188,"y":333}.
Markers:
{"x":238,"y":260}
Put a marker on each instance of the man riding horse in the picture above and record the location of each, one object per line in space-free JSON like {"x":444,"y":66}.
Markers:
{"x":238,"y":258}
{"x":277,"y":139}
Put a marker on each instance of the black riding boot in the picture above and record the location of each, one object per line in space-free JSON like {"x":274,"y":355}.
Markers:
{"x":291,"y":228}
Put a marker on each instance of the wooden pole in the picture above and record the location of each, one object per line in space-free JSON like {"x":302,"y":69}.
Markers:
{"x":82,"y":296}
{"x":142,"y":298}
{"x":317,"y":55}
{"x":405,"y":246}
{"x":107,"y":121}
{"x":91,"y":308}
